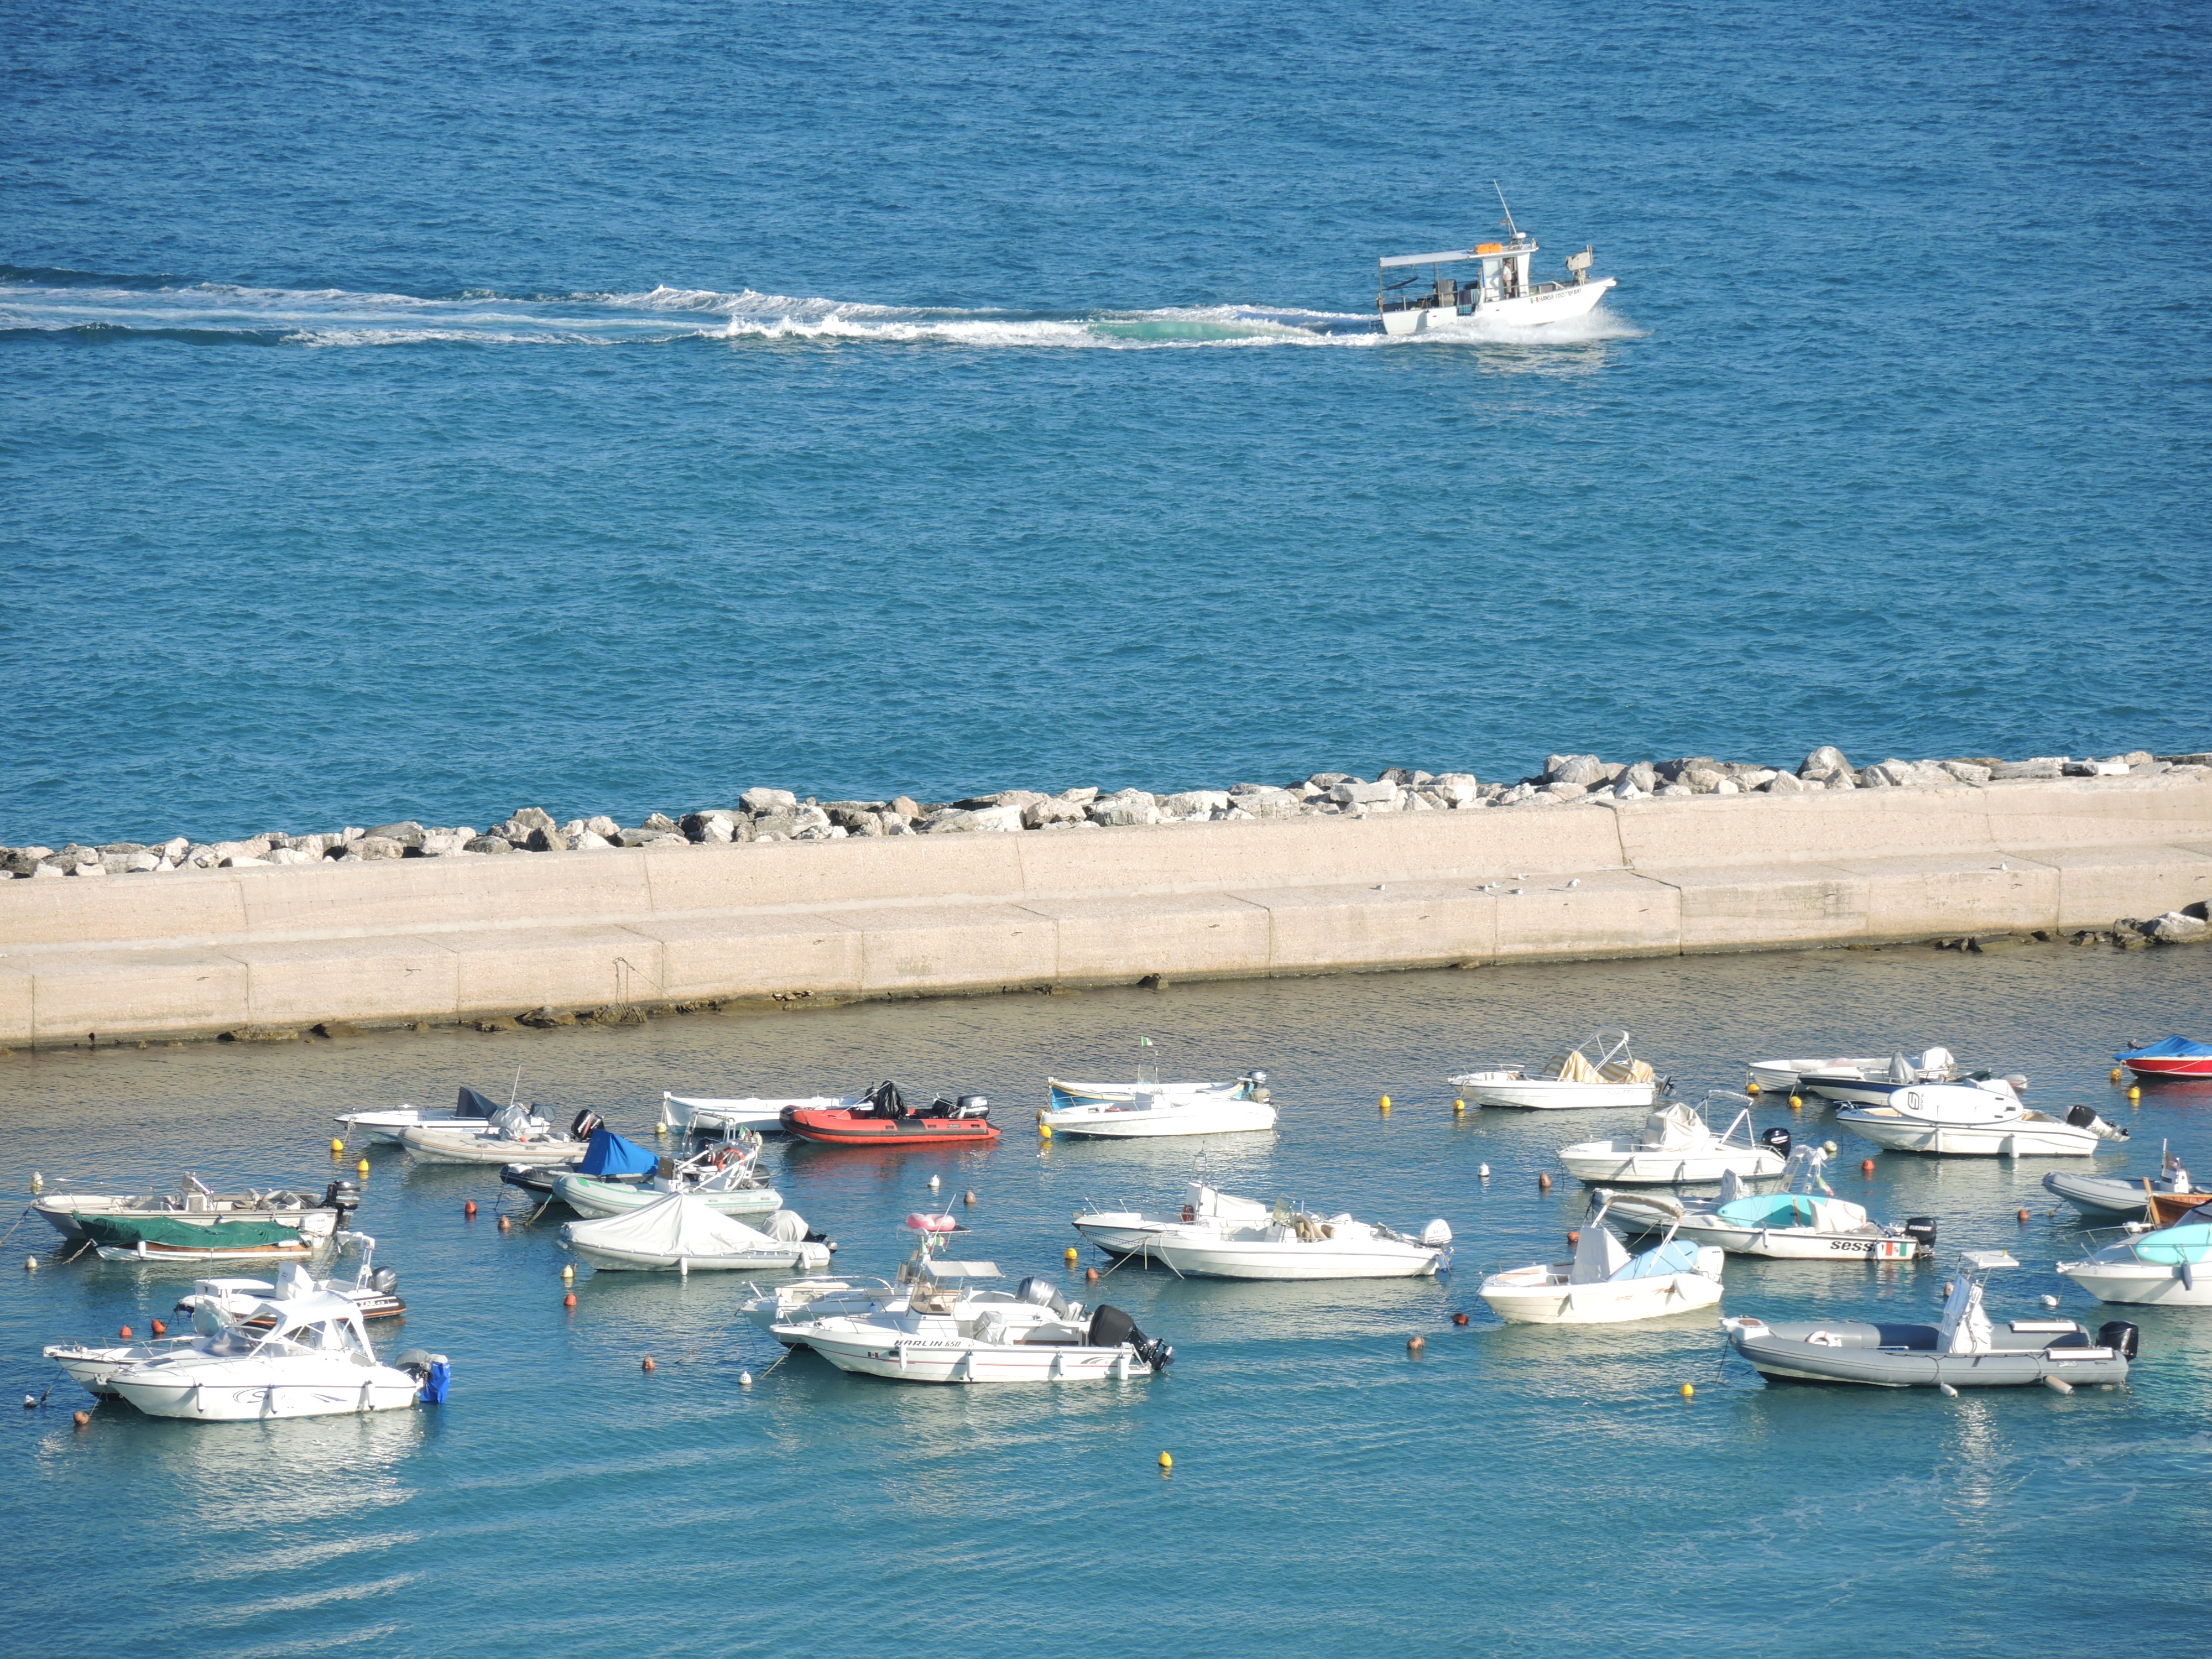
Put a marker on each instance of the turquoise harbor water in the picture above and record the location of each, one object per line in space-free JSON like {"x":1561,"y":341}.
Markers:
{"x":413,"y":414}
{"x":1514,"y":1492}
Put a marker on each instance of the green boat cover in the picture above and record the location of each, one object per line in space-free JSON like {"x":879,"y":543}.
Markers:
{"x":183,"y":1232}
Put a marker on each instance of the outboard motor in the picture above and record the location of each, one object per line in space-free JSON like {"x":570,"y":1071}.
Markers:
{"x":1256,"y":1087}
{"x":1110,"y":1328}
{"x":2085,"y":1117}
{"x":580,"y":1127}
{"x":1041,"y":1293}
{"x":343,"y":1196}
{"x":384,"y":1281}
{"x":2120,"y":1337}
{"x":1922,"y":1227}
{"x":432,"y":1373}
{"x":1778,"y":1138}
{"x":972,"y":1106}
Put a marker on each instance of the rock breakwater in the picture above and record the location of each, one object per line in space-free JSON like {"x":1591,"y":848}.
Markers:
{"x":768,"y":815}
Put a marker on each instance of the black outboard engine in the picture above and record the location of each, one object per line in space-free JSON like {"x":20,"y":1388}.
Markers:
{"x":2085,"y":1117}
{"x":1922,"y":1227}
{"x":2120,"y":1337}
{"x":580,"y":1127}
{"x":972,"y":1106}
{"x":343,"y":1196}
{"x":1778,"y":1138}
{"x":1110,"y":1328}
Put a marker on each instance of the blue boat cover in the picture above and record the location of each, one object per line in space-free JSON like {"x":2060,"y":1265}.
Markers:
{"x":2172,"y":1048}
{"x":1679,"y":1257}
{"x":609,"y":1154}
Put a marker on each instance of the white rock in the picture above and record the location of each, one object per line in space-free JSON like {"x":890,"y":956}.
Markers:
{"x":590,"y":839}
{"x":1195,"y":803}
{"x":96,"y":868}
{"x":1365,"y":794}
{"x":138,"y":861}
{"x":40,"y":872}
{"x":766,"y":800}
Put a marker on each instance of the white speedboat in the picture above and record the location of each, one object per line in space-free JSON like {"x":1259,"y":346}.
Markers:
{"x":1677,"y":1146}
{"x":1782,"y":1076}
{"x":1806,"y":1223}
{"x":1600,"y":1071}
{"x":512,"y":1136}
{"x":1977,"y":1121}
{"x":315,"y":1360}
{"x":1292,"y":1243}
{"x":681,"y":1233}
{"x":725,"y":1177}
{"x":1124,"y":1111}
{"x":1604,"y":1284}
{"x":2162,"y":1265}
{"x":473,"y":1110}
{"x":1125,"y":1232}
{"x":373,"y":1290}
{"x":1871,"y":1085}
{"x":304,"y":1212}
{"x":1502,"y":288}
{"x":790,"y":1307}
{"x":705,"y":1115}
{"x":947,"y":1332}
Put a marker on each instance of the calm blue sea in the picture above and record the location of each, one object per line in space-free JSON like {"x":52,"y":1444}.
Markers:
{"x":1514,"y":1491}
{"x":418,"y":413}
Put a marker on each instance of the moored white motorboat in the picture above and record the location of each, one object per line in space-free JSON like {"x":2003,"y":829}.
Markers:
{"x":1124,"y":1111}
{"x":1503,"y":290}
{"x":1977,"y":1121}
{"x":373,"y":1290}
{"x":314,"y":1361}
{"x":1292,"y":1243}
{"x":1678,"y":1147}
{"x":1604,"y":1284}
{"x":1805,"y":1223}
{"x":1599,"y":1072}
{"x":2169,"y":1266}
{"x":725,"y":1177}
{"x":473,"y":1111}
{"x":1965,"y":1350}
{"x":1871,"y":1085}
{"x":1125,"y":1232}
{"x":789,"y":1307}
{"x":704,"y":1115}
{"x":680,"y":1232}
{"x":1935,"y":1065}
{"x":512,"y":1136}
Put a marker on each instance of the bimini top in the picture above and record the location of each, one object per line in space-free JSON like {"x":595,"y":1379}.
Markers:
{"x":1454,"y":256}
{"x":1983,"y":1261}
{"x":2172,"y":1048}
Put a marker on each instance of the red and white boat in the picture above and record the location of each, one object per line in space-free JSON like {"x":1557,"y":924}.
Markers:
{"x":883,"y":1119}
{"x":2176,"y":1056}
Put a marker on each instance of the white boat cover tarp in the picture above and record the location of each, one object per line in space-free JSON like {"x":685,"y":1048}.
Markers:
{"x":787,"y":1227}
{"x":1598,"y":1255}
{"x":1965,"y":1327}
{"x":677,"y":1226}
{"x":1675,"y":1128}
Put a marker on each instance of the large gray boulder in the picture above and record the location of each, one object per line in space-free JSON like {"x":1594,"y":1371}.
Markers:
{"x":715,"y":826}
{"x":480,"y":844}
{"x":1264,"y":802}
{"x":2178,"y":928}
{"x":1584,"y":770}
{"x":1124,"y":807}
{"x":1195,"y":803}
{"x":1053,"y":809}
{"x":768,"y":800}
{"x":955,"y":820}
{"x":1372,"y":796}
{"x":1827,"y":762}
{"x":548,"y":838}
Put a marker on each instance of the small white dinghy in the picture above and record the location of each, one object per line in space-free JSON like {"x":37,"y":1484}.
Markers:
{"x":1294,"y":1244}
{"x":1599,"y":1072}
{"x":683,"y":1233}
{"x":1977,"y":1119}
{"x":1125,"y":1232}
{"x":514,"y":1135}
{"x":1783,"y":1076}
{"x":1128,"y":1111}
{"x":1807,"y":1222}
{"x":1603,"y":1285}
{"x":1678,"y":1147}
{"x":703,"y":1115}
{"x":2169,"y":1266}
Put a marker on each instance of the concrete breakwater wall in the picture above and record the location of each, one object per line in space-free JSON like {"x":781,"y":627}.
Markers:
{"x":261,"y":949}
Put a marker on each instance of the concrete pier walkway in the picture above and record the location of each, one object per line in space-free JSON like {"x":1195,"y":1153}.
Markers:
{"x":442,"y":939}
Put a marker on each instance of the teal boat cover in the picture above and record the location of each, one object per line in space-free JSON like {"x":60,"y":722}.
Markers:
{"x":609,"y":1154}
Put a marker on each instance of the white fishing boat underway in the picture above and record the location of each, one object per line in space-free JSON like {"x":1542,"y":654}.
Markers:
{"x":1503,"y":289}
{"x":1678,"y":1147}
{"x":1599,"y":1072}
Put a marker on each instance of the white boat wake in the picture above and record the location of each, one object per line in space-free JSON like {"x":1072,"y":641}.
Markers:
{"x":52,"y":303}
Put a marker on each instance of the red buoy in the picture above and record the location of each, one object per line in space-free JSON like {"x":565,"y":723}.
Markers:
{"x":1090,"y":1275}
{"x":1866,"y":1166}
{"x":569,"y":1300}
{"x":1574,"y":1238}
{"x":160,"y":1330}
{"x":126,"y":1332}
{"x":1458,"y":1319}
{"x":469,"y":1208}
{"x":83,"y":1419}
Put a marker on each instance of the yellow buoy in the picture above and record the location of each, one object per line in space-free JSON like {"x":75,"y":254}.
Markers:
{"x":1688,"y":1391}
{"x":1751,"y":1088}
{"x":2135,"y":1093}
{"x":1071,"y":1254}
{"x":1797,"y":1103}
{"x":1458,"y":1106}
{"x":362,"y":1166}
{"x":1166,"y":1461}
{"x":1385,"y":1103}
{"x":336,"y":1145}
{"x":1044,"y":1132}
{"x":660,"y":1128}
{"x":2116,"y":1074}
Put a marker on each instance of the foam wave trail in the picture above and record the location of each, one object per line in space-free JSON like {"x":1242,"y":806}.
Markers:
{"x":54,"y":302}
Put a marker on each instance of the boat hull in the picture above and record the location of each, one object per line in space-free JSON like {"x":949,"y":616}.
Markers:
{"x":1120,"y":1236}
{"x":839,"y":1128}
{"x":593,"y":1197}
{"x":2050,"y":1138}
{"x":1802,"y":1243}
{"x":613,"y":1261}
{"x":1615,"y":1168}
{"x":1566,"y":303}
{"x":1541,"y":1296}
{"x":1905,"y":1357}
{"x":2098,"y":1198}
{"x":93,"y":1369}
{"x":2200,"y":1069}
{"x":921,"y":1359}
{"x":435,"y":1147}
{"x":66,"y":1213}
{"x":1123,"y":1120}
{"x":2140,"y":1283}
{"x":239,"y":1398}
{"x":1552,"y":1095}
{"x":1290,"y":1262}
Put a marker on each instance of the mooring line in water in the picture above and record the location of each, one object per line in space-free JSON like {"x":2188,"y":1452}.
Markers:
{"x":10,"y":1233}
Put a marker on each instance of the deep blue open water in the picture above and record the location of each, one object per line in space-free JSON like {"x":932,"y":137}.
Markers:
{"x":1514,"y":1492}
{"x":419,"y":412}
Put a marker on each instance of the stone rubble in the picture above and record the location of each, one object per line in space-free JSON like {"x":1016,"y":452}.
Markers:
{"x":777,"y":815}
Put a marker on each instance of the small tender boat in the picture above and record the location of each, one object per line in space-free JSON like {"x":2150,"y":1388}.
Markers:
{"x":315,"y":1360}
{"x":1873,"y":1084}
{"x":883,"y":1119}
{"x":1124,"y":1111}
{"x":1983,"y":1120}
{"x":1124,"y":1232}
{"x":947,"y":1332}
{"x":2161,"y":1265}
{"x":1963,"y":1352}
{"x":682,"y":1233}
{"x":1934,"y":1065}
{"x":1806,"y":1223}
{"x":375,"y":1290}
{"x":1292,"y":1243}
{"x":723,"y":1177}
{"x":700,"y":1114}
{"x":193,"y":1238}
{"x":1604,"y":1284}
{"x":301,"y":1212}
{"x":2101,"y":1198}
{"x":1677,"y":1146}
{"x":1503,"y":289}
{"x":512,"y":1136}
{"x":791,"y":1306}
{"x":1600,"y":1071}
{"x":612,"y":1157}
{"x":473,"y":1111}
{"x":2172,"y":1057}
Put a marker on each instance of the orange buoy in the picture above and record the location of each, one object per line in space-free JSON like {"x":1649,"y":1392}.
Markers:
{"x":126,"y":1332}
{"x":160,"y":1330}
{"x":1458,"y":1319}
{"x":1574,"y":1238}
{"x":1866,"y":1166}
{"x":83,"y":1419}
{"x":2023,"y":1215}
{"x":1543,"y":1183}
{"x":469,"y":1208}
{"x":569,"y":1300}
{"x":1415,"y":1344}
{"x":649,"y":1363}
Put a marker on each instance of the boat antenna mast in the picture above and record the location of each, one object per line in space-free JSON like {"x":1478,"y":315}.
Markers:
{"x":1510,"y":225}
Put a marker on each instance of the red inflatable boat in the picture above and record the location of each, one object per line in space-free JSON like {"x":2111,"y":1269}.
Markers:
{"x":887,"y":1120}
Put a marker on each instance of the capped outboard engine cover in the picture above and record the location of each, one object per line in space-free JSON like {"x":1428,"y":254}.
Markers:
{"x":2120,"y":1337}
{"x":1110,"y":1328}
{"x":431,"y":1371}
{"x":972,"y":1106}
{"x":1437,"y":1234}
{"x":1042,"y":1293}
{"x":1778,"y":1138}
{"x":343,"y":1196}
{"x":580,"y":1127}
{"x":1922,"y":1227}
{"x":384,"y":1280}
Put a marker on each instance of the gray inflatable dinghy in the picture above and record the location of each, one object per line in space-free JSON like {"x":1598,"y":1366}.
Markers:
{"x":2101,"y":1198}
{"x":1964,"y":1351}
